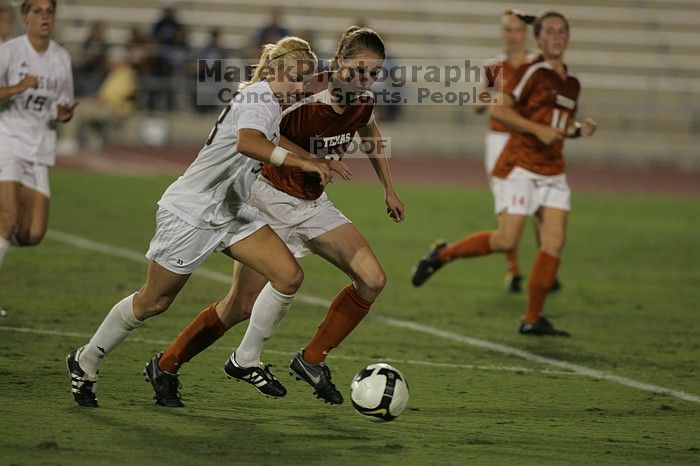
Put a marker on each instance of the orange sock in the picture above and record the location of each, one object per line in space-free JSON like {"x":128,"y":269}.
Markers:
{"x":512,"y":261}
{"x":477,"y":244}
{"x":541,"y":278}
{"x":200,"y":334}
{"x":345,"y":312}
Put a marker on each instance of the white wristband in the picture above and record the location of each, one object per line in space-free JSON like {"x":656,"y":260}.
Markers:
{"x":278,"y":155}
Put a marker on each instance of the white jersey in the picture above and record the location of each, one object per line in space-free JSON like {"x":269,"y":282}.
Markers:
{"x":27,"y":120}
{"x":211,"y":191}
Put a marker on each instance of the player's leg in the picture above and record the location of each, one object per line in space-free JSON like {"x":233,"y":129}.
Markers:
{"x":212,"y":322}
{"x":9,"y":214}
{"x":495,"y":142}
{"x":154,"y":297}
{"x":505,"y":238}
{"x":265,"y":253}
{"x":552,"y":227}
{"x":513,"y":276}
{"x":34,"y":217}
{"x":347,"y":249}
{"x":556,"y":284}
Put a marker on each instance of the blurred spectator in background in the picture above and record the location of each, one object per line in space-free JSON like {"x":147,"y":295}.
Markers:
{"x":7,"y":22}
{"x":141,"y":50}
{"x":268,"y":34}
{"x":165,"y":30}
{"x":213,"y":50}
{"x":113,"y":104}
{"x":272,"y":31}
{"x":170,"y":37}
{"x":92,"y":67}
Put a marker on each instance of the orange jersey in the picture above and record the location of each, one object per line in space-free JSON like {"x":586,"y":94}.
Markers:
{"x":506,"y":74}
{"x":542,"y":96}
{"x":313,"y":125}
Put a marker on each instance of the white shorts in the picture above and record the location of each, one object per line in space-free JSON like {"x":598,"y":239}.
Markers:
{"x":295,"y":220}
{"x":494,"y":144}
{"x":524,"y":192}
{"x":181,"y":247}
{"x":32,"y":175}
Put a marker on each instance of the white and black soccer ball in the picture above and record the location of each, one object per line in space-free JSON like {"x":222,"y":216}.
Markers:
{"x":379,"y":392}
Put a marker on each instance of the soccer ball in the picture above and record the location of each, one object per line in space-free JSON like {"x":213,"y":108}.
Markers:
{"x":379,"y":392}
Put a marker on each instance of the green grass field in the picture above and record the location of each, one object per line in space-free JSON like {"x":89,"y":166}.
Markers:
{"x":631,"y":284}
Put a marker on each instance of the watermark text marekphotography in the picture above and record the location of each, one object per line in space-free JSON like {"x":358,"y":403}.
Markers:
{"x":459,"y":82}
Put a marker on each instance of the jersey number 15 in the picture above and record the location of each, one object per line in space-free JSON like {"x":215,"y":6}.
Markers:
{"x":35,"y":102}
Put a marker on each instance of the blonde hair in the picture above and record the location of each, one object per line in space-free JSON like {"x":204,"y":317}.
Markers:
{"x":289,"y":48}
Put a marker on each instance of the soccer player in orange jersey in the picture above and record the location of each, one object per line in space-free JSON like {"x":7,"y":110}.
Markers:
{"x":339,"y":105}
{"x":539,"y":109}
{"x":514,"y":35}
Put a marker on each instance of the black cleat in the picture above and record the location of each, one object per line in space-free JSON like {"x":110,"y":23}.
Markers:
{"x":316,"y":375}
{"x":541,"y":327}
{"x":83,"y":389}
{"x":165,"y":385}
{"x":556,"y":285}
{"x":514,"y":283}
{"x":259,"y":377}
{"x":427,"y":265}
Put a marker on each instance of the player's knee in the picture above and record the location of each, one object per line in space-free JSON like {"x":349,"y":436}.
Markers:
{"x":500,"y":242}
{"x":376,"y":281}
{"x":156,"y":305}
{"x":290,"y":281}
{"x":31,"y":238}
{"x":553,"y":243}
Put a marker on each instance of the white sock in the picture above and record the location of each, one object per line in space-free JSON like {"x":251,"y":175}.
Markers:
{"x":4,"y":246}
{"x":120,"y":321}
{"x":268,"y":311}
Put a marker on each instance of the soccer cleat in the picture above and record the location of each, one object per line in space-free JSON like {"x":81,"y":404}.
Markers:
{"x":541,"y":327}
{"x":165,"y":386}
{"x":81,"y":386}
{"x":259,"y":377}
{"x":316,"y":375}
{"x":3,"y":312}
{"x":427,"y":265}
{"x":513,"y":283}
{"x":556,"y":285}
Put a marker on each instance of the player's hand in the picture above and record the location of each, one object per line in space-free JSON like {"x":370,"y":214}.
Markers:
{"x":28,"y":82}
{"x":340,"y":168}
{"x":588,"y":127}
{"x":548,"y":135}
{"x":65,"y":112}
{"x":394,"y":207}
{"x":320,"y":167}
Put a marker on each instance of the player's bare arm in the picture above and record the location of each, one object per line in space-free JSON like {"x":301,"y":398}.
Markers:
{"x":336,"y":166}
{"x":253,"y":144}
{"x":28,"y":82}
{"x":507,"y":115}
{"x":371,"y":134}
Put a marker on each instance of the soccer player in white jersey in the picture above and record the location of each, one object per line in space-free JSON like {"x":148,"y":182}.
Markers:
{"x":204,"y":211}
{"x":36,"y":92}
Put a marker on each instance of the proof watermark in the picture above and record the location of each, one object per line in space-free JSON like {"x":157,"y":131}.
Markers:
{"x":459,"y":82}
{"x":344,"y":145}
